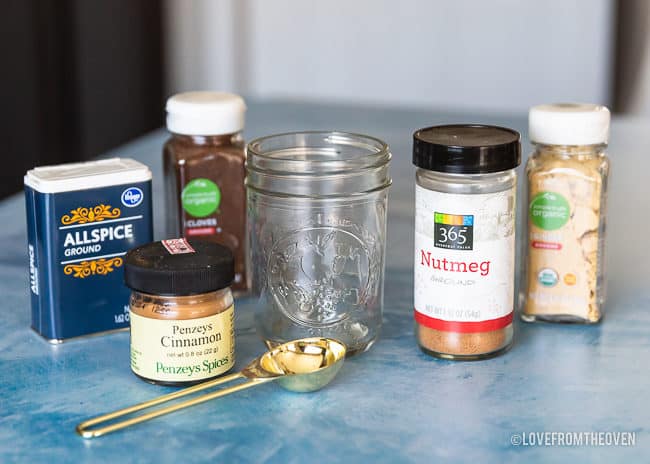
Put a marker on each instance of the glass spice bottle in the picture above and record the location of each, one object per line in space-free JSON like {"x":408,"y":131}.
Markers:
{"x":204,"y":173}
{"x":465,"y":239}
{"x":181,"y":311}
{"x":567,"y":186}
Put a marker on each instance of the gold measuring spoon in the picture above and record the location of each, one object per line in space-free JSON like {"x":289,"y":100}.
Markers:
{"x":303,"y":365}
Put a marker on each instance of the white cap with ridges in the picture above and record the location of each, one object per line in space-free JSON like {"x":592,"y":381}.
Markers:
{"x":569,"y":124}
{"x":205,"y":113}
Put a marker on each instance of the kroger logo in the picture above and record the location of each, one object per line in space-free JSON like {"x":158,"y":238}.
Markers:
{"x":132,"y":197}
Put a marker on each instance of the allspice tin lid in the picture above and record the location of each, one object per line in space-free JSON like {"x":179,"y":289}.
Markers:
{"x":179,"y":267}
{"x":466,"y":148}
{"x":87,"y":175}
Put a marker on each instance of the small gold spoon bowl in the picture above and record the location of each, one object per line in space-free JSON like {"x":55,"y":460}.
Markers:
{"x":303,"y":365}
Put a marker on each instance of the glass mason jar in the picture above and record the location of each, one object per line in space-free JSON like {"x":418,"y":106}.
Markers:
{"x":567,"y":189}
{"x":317,"y":205}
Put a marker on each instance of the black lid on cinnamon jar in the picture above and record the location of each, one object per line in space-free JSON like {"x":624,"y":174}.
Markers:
{"x":179,"y":267}
{"x":466,"y":148}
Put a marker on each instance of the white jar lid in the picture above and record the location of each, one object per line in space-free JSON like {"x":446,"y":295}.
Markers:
{"x":205,"y":113}
{"x":569,"y":124}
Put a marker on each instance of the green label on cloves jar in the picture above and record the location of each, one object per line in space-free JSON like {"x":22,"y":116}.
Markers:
{"x":201,"y":197}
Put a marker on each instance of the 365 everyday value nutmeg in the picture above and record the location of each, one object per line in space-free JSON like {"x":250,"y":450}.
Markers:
{"x":465,"y":239}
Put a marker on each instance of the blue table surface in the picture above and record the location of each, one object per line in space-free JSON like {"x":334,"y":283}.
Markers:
{"x":391,"y":404}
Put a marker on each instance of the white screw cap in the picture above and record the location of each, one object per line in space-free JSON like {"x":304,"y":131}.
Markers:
{"x":569,"y":124}
{"x":205,"y":113}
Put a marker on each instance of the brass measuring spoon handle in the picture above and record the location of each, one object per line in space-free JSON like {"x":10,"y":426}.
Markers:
{"x":85,"y":431}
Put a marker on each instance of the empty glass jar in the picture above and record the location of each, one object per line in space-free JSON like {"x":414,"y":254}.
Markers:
{"x":317,"y":221}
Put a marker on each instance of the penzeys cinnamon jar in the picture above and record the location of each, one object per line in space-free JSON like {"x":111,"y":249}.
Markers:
{"x":204,"y":173}
{"x":181,"y":311}
{"x":465,"y":239}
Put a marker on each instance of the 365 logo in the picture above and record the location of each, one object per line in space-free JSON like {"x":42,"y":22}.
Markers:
{"x":132,"y":197}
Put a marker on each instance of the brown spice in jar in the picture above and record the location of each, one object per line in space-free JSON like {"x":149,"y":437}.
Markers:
{"x":219,"y":159}
{"x":457,"y":344}
{"x":204,"y":173}
{"x":180,"y":307}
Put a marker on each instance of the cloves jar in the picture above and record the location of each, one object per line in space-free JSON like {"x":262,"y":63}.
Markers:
{"x":181,"y":311}
{"x":465,"y":239}
{"x":204,"y":173}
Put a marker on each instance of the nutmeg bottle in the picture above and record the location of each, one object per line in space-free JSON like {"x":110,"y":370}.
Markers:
{"x":464,"y":270}
{"x":204,"y":173}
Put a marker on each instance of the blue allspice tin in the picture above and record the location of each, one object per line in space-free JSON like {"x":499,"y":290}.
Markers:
{"x":82,"y":218}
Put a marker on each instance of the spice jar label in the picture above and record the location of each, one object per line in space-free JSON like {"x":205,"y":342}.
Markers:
{"x":563,"y":244}
{"x":549,"y":210}
{"x":464,"y":260}
{"x":177,"y":246}
{"x":182,"y":350}
{"x":201,"y":197}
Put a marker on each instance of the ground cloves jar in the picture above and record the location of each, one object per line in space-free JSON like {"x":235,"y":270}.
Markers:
{"x":203,"y":161}
{"x":181,"y":311}
{"x":465,"y":239}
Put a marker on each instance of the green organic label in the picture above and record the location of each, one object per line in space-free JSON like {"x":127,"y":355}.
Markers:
{"x":549,"y":211}
{"x":201,"y":197}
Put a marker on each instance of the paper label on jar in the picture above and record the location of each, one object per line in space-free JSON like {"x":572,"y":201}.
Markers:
{"x":464,"y":260}
{"x":182,"y":350}
{"x":177,"y":246}
{"x":564,"y":247}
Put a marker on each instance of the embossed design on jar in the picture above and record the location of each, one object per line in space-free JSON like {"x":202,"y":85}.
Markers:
{"x":320,"y":275}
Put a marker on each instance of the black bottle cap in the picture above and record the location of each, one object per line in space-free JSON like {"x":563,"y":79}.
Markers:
{"x":466,"y":149}
{"x":179,"y":267}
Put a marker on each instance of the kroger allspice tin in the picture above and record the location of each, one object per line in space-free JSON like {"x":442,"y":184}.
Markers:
{"x":82,"y":218}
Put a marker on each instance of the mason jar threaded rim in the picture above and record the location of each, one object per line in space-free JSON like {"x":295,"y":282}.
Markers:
{"x":317,"y":164}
